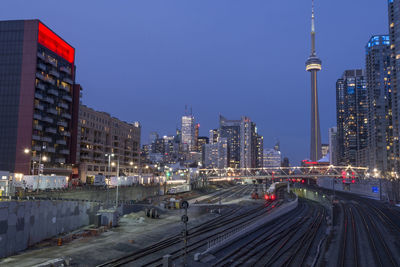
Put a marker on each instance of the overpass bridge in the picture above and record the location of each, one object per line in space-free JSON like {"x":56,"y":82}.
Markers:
{"x":296,"y":172}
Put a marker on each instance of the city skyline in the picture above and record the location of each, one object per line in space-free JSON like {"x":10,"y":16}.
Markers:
{"x":167,"y":50}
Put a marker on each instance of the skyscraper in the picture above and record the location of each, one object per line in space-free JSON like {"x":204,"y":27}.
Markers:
{"x":259,"y":151}
{"x":352,"y":118}
{"x":188,"y":133}
{"x":313,"y":65}
{"x":39,"y":100}
{"x":215,"y":155}
{"x":333,"y":145}
{"x":246,"y":142}
{"x":394,"y":36}
{"x":380,"y":104}
{"x":230,"y":129}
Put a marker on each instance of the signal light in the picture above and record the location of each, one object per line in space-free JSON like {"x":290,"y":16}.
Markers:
{"x":302,"y":181}
{"x":353,"y":181}
{"x":266,"y":197}
{"x":344,"y":181}
{"x":273,"y":197}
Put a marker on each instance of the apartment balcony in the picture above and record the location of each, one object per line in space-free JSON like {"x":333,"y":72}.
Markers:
{"x":61,"y":142}
{"x":36,"y":148}
{"x":63,"y":105}
{"x":65,"y":88}
{"x":68,"y":80}
{"x":67,"y":98}
{"x":62,"y":123}
{"x":84,"y":148}
{"x":54,"y":73}
{"x":52,"y":92}
{"x":41,"y":56}
{"x":84,"y":156}
{"x":52,"y":111}
{"x":36,"y":137}
{"x":40,"y":86}
{"x":65,"y":70}
{"x":48,"y":119}
{"x":65,"y":133}
{"x":37,"y":116}
{"x":46,"y":139}
{"x":51,"y":130}
{"x":60,"y":160}
{"x":41,"y":66}
{"x":48,"y":100}
{"x":51,"y":61}
{"x":38,"y":127}
{"x":66,"y":115}
{"x":50,"y":81}
{"x":39,"y":107}
{"x":40,"y":76}
{"x":38,"y":96}
{"x":64,"y":152}
{"x":50,"y":149}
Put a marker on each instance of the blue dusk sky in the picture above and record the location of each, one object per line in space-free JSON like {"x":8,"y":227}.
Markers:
{"x":144,"y":60}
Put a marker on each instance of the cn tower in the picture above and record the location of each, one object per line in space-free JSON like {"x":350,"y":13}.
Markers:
{"x":313,"y":65}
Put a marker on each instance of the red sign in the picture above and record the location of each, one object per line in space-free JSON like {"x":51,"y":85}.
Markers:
{"x":50,"y":40}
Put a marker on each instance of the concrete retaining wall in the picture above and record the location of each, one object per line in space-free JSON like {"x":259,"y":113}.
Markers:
{"x":25,"y":223}
{"x":101,"y":194}
{"x":368,"y":187}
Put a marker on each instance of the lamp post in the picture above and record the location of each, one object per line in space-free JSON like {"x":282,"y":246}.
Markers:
{"x":109,"y":155}
{"x":116,"y":195}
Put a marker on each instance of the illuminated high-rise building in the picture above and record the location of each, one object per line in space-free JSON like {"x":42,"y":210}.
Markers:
{"x":380,"y":104}
{"x":230,"y":129}
{"x":352,"y":118}
{"x":39,"y":100}
{"x":188,"y":133}
{"x":394,"y":36}
{"x":313,"y":65}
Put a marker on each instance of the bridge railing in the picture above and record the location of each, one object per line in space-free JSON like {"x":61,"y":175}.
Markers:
{"x":286,"y":172}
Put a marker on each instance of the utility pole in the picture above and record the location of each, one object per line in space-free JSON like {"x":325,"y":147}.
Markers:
{"x":185,"y":233}
{"x":116,"y":197}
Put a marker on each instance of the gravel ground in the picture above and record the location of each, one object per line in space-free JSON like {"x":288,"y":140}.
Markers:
{"x":134,"y":232}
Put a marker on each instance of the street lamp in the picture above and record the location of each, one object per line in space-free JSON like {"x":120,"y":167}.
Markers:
{"x":109,"y":172}
{"x":116,"y":195}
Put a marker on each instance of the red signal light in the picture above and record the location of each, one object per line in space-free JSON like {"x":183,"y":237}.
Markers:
{"x":266,"y":197}
{"x":273,"y":197}
{"x":344,"y":181}
{"x":302,"y":181}
{"x":353,"y":181}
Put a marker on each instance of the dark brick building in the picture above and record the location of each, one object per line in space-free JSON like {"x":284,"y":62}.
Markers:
{"x":39,"y":100}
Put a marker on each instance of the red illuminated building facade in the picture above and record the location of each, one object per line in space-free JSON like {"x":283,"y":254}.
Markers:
{"x":39,"y":100}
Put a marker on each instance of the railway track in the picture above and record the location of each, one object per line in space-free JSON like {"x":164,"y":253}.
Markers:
{"x":370,"y":232}
{"x":349,"y":250}
{"x":223,"y":194}
{"x":198,"y":237}
{"x":280,"y":243}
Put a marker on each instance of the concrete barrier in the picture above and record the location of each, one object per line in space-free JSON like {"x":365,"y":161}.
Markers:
{"x":25,"y":223}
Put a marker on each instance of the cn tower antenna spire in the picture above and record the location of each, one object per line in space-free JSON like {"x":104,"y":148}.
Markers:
{"x":312,"y":30}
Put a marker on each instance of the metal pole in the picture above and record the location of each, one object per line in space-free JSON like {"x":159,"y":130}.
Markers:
{"x":109,"y":176}
{"x":380,"y":188}
{"x":39,"y":172}
{"x":116,"y":197}
{"x":186,"y":241}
